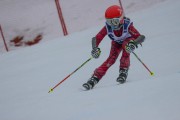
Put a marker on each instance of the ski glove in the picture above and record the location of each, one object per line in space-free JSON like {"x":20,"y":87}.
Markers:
{"x":96,"y":52}
{"x":131,"y":46}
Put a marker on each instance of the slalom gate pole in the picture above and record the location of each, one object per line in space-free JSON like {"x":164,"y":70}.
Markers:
{"x":69,"y":75}
{"x":151,"y":73}
{"x":1,"y":31}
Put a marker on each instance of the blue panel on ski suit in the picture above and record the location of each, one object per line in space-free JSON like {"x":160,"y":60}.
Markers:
{"x":125,"y":33}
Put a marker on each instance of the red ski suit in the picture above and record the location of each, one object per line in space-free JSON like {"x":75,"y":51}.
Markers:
{"x":116,"y":48}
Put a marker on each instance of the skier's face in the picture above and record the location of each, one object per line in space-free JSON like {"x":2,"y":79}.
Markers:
{"x":114,"y":22}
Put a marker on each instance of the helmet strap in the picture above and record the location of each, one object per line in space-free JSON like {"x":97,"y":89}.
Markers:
{"x":118,"y":27}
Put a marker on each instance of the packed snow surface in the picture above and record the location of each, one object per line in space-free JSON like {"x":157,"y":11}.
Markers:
{"x":28,"y":74}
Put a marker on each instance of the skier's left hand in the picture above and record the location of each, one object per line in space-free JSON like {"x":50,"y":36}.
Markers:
{"x":130,"y":46}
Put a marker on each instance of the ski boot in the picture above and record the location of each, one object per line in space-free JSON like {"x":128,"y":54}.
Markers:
{"x":123,"y":73}
{"x":91,"y":83}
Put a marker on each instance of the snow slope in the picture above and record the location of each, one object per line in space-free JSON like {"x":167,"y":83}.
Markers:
{"x":27,"y":75}
{"x":33,"y":17}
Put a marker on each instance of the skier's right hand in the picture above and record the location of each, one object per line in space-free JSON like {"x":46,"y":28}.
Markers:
{"x":96,"y":52}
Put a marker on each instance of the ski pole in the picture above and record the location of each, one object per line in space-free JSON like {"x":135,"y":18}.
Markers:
{"x":151,"y":73}
{"x":69,"y":75}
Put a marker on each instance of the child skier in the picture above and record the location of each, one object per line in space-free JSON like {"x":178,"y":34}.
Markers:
{"x":123,"y":35}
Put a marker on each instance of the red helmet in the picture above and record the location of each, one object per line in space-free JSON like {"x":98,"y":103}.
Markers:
{"x":113,"y":11}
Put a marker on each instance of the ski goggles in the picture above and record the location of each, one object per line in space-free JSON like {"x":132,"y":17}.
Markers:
{"x":113,"y":21}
